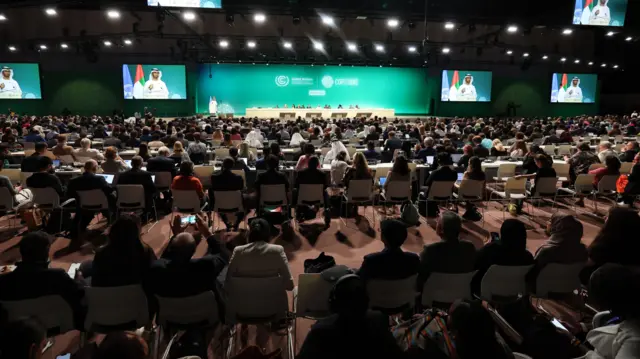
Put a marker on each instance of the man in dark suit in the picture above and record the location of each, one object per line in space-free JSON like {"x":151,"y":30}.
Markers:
{"x":313,"y":175}
{"x":137,"y":176}
{"x":88,"y":181}
{"x":226,"y":180}
{"x":451,"y":255}
{"x":238,"y":164}
{"x":392,"y":262}
{"x":427,"y":150}
{"x":44,"y":177}
{"x":177,"y":274}
{"x":478,"y":149}
{"x":261,"y":164}
{"x":272,"y":177}
{"x":442,"y":173}
{"x":392,"y":142}
{"x":162,"y":162}
{"x":33,"y":278}
{"x":32,"y":163}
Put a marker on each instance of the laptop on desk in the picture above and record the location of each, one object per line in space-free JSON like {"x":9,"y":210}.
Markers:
{"x":108,"y":178}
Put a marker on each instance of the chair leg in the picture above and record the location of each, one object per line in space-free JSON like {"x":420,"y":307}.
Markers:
{"x":232,"y":333}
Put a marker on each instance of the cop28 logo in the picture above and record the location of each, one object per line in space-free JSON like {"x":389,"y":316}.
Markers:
{"x":282,"y":81}
{"x":327,"y":81}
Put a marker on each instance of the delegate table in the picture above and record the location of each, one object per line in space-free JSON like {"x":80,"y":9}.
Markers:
{"x":293,"y":113}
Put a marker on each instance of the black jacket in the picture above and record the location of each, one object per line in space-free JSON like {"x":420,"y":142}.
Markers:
{"x":162,"y":164}
{"x":134,"y":176}
{"x":113,"y":267}
{"x":626,"y":156}
{"x":424,"y":152}
{"x":44,"y":180}
{"x":393,"y":144}
{"x":480,"y":151}
{"x":31,"y":163}
{"x":224,"y":181}
{"x":497,"y":253}
{"x":271,"y":177}
{"x":312,"y":176}
{"x":446,"y":257}
{"x":633,"y":186}
{"x":86,"y":182}
{"x":389,"y":264}
{"x":443,"y":173}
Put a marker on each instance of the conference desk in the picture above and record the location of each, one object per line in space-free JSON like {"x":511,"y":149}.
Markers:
{"x":337,"y":113}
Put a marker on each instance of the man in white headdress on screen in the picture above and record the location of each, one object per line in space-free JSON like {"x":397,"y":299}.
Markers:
{"x":9,"y":88}
{"x":573,"y":93}
{"x":466,"y":91}
{"x":600,"y":14}
{"x":155,"y":88}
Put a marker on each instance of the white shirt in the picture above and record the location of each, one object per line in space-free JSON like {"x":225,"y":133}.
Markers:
{"x":619,"y":341}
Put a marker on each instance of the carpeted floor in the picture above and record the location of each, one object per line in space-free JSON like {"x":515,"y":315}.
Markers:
{"x":348,"y":252}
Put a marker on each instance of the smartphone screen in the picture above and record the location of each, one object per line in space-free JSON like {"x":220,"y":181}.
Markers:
{"x":558,"y":325}
{"x":64,"y":356}
{"x":188,"y":219}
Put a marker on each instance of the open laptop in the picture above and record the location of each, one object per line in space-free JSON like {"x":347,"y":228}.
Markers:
{"x":429,"y":160}
{"x":56,"y":163}
{"x":108,"y":178}
{"x":456,"y":157}
{"x":128,"y":163}
{"x":153,"y":178}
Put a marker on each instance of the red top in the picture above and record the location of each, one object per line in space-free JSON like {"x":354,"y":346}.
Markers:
{"x":600,"y":172}
{"x":236,"y":137}
{"x":188,"y":183}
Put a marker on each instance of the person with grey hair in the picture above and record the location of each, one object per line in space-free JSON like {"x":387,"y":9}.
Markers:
{"x":605,"y":151}
{"x":450,"y":255}
{"x":162,"y":162}
{"x":85,"y":152}
{"x":426,"y":150}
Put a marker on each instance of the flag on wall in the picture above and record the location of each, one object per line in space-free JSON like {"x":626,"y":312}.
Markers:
{"x":554,"y":88}
{"x":138,"y":86}
{"x":128,"y":84}
{"x":563,"y":88}
{"x":455,"y":83}
{"x":586,"y":12}
{"x":444,"y":93}
{"x":577,"y":13}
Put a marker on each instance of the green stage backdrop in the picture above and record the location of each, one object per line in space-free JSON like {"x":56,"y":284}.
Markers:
{"x":238,"y":87}
{"x":455,"y":88}
{"x":137,"y":84}
{"x":563,"y":91}
{"x":593,"y":13}
{"x":25,"y":78}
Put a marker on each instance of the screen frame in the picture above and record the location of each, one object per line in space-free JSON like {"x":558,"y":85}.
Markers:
{"x":185,"y":7}
{"x":467,"y":70}
{"x":39,"y":78}
{"x":624,"y":21}
{"x":186,"y":83}
{"x":575,"y":103}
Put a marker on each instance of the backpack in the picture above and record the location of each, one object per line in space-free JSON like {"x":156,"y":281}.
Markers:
{"x":409,"y":214}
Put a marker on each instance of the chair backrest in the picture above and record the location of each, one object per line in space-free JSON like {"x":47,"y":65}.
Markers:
{"x":558,"y":278}
{"x":52,"y":311}
{"x":93,"y":200}
{"x":273,"y":195}
{"x":241,"y":174}
{"x":6,"y":200}
{"x":549,"y":149}
{"x":66,"y":159}
{"x":200,"y":310}
{"x":255,"y":300}
{"x":13,"y":174}
{"x":504,"y":282}
{"x":595,"y":166}
{"x":604,"y":138}
{"x":546,"y":186}
{"x":359,"y":190}
{"x":204,"y":174}
{"x":440,"y":190}
{"x":116,"y":308}
{"x":45,"y":198}
{"x":313,"y":296}
{"x":228,"y":201}
{"x":446,"y":288}
{"x":626,"y":167}
{"x":471,"y":189}
{"x":28,"y":153}
{"x":608,"y":183}
{"x":515,"y":186}
{"x":163,"y":180}
{"x":24,"y":176}
{"x":564,"y":150}
{"x":310,"y":194}
{"x":186,"y":201}
{"x":506,"y":170}
{"x":130,"y":196}
{"x":354,"y":140}
{"x":398,"y":191}
{"x":584,"y":183}
{"x":562,"y":169}
{"x":520,"y":356}
{"x":392,"y":295}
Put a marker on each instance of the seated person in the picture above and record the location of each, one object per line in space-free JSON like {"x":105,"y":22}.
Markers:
{"x":187,"y":181}
{"x":392,"y":262}
{"x":339,"y":167}
{"x":136,"y":176}
{"x":450,"y":255}
{"x":427,"y":150}
{"x":443,"y":173}
{"x":612,"y":167}
{"x":33,"y":277}
{"x":632,"y":189}
{"x":162,"y":162}
{"x":399,"y":172}
{"x":61,"y":148}
{"x":112,"y":163}
{"x":238,"y":164}
{"x":474,"y":172}
{"x":478,"y":149}
{"x":179,"y":154}
{"x":261,"y":164}
{"x":392,"y":143}
{"x":370,"y":153}
{"x":303,"y":161}
{"x":225,"y":180}
{"x":20,"y":195}
{"x":177,"y":274}
{"x":272,"y":177}
{"x":467,"y":153}
{"x":545,"y":170}
{"x":30,"y":164}
{"x":497,"y":149}
{"x":358,"y":171}
{"x":86,"y":152}
{"x":352,"y":330}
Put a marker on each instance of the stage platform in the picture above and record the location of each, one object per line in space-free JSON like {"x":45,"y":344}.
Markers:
{"x":293,"y":113}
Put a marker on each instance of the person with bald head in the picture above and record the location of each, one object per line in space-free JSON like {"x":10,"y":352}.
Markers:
{"x":86,"y":182}
{"x":177,"y":274}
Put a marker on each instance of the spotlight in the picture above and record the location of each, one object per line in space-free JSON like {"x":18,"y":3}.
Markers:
{"x":327,"y":20}
{"x":127,"y":42}
{"x":113,"y":14}
{"x":449,"y":25}
{"x":610,"y":33}
{"x":43,"y":47}
{"x":509,"y":52}
{"x":393,"y":23}
{"x":603,"y":65}
{"x":251,"y":44}
{"x":615,"y":66}
{"x":526,"y":54}
{"x":64,"y":46}
{"x":287,"y":45}
{"x":577,"y":61}
{"x":318,"y":45}
{"x":544,"y":57}
{"x":379,"y":48}
{"x":51,"y":11}
{"x":512,"y":29}
{"x":12,"y":48}
{"x":567,"y":31}
{"x":446,"y":50}
{"x":224,"y":44}
{"x":629,"y":38}
{"x":2,"y":17}
{"x":107,"y":43}
{"x":590,"y":63}
{"x":412,"y":49}
{"x":352,"y":47}
{"x":259,"y":18}
{"x":563,"y":59}
{"x":189,"y":16}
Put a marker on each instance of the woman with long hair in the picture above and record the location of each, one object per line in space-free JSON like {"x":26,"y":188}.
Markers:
{"x":179,"y":152}
{"x":399,"y":172}
{"x":497,"y":148}
{"x":245,"y":152}
{"x":143,"y":151}
{"x":519,"y":149}
{"x":359,"y":170}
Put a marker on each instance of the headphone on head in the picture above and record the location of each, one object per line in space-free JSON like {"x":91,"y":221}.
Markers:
{"x":336,"y":296}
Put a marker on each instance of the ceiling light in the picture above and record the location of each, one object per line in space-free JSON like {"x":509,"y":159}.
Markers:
{"x":393,"y":23}
{"x":224,"y":44}
{"x":259,"y":18}
{"x":629,"y":38}
{"x":352,"y":47}
{"x":51,"y":11}
{"x":64,"y":46}
{"x":446,"y":50}
{"x":509,"y":52}
{"x":412,"y":49}
{"x":251,"y":44}
{"x":287,"y":45}
{"x":610,"y":33}
{"x":590,"y":63}
{"x":12,"y":48}
{"x":512,"y":28}
{"x":563,"y":59}
{"x":379,"y":48}
{"x":615,"y":66}
{"x":526,"y":54}
{"x":113,"y":14}
{"x":43,"y":47}
{"x":577,"y":61}
{"x":189,"y":16}
{"x":127,"y":42}
{"x":327,"y":20}
{"x":449,"y":25}
{"x":603,"y":65}
{"x":544,"y":57}
{"x":318,"y":45}
{"x":106,"y":43}
{"x":2,"y":17}
{"x":567,"y":31}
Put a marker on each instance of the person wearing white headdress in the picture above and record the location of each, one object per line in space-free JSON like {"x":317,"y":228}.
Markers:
{"x":9,"y":88}
{"x":336,"y":147}
{"x":573,"y":93}
{"x":296,"y":138}
{"x":364,"y":132}
{"x":254,"y":138}
{"x":155,"y":88}
{"x":600,"y":14}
